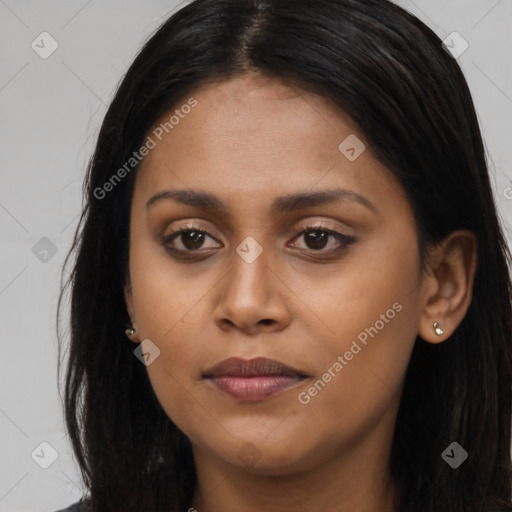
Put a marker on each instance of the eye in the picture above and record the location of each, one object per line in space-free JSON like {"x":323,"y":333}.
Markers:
{"x":317,"y":238}
{"x":189,"y":239}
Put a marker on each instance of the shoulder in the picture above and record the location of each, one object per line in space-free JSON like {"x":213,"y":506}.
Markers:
{"x":79,"y":506}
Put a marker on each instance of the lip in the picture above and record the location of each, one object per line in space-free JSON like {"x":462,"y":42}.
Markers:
{"x":254,"y":379}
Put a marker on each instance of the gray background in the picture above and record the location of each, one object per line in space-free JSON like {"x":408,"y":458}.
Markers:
{"x":50,"y":112}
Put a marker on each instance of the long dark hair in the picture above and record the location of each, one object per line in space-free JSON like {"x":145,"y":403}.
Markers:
{"x":408,"y":96}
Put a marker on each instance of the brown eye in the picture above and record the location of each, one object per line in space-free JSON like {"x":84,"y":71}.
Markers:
{"x":317,"y":238}
{"x":187,"y":240}
{"x":192,"y":239}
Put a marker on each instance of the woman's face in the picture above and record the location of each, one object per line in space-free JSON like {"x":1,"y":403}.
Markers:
{"x":309,"y":257}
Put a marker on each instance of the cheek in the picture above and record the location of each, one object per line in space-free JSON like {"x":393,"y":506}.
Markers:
{"x":161,"y":289}
{"x":373,"y":310}
{"x":167,"y":310}
{"x":375,"y":288}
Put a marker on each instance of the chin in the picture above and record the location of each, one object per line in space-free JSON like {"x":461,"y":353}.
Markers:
{"x":260,"y":455}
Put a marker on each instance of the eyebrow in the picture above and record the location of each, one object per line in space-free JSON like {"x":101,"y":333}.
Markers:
{"x":281,"y":204}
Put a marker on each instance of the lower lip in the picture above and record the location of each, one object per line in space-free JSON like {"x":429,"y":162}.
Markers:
{"x":253,"y":389}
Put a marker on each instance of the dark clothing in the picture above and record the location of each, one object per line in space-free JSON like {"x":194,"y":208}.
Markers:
{"x":79,"y":506}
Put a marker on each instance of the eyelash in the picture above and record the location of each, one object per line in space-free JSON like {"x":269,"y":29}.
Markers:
{"x":345,"y":240}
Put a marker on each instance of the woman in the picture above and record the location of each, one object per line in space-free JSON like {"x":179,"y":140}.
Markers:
{"x":289,"y":215}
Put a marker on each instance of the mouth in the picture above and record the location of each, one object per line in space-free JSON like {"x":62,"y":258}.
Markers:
{"x":253,"y":380}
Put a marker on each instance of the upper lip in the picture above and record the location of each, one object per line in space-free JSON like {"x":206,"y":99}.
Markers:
{"x":259,"y":366}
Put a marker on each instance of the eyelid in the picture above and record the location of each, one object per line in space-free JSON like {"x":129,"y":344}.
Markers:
{"x":309,"y":225}
{"x":319,"y":224}
{"x":188,"y":225}
{"x":176,"y":233}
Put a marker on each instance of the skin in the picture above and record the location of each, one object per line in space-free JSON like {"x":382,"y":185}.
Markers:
{"x":248,"y":141}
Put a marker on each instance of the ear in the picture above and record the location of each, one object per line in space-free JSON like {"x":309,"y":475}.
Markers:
{"x":448,"y":285}
{"x":128,"y":298}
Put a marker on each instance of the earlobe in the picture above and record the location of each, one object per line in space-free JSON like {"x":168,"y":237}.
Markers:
{"x":448,"y":286}
{"x":438,"y":329}
{"x":131,"y":330}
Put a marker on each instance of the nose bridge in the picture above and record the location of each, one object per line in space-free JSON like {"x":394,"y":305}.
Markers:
{"x":251,"y":296}
{"x":249,"y":279}
{"x":250,"y":260}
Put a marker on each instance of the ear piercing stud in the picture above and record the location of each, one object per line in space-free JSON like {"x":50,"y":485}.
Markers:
{"x":130,"y":331}
{"x":438,"y":329}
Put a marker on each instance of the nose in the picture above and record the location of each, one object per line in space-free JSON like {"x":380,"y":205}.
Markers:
{"x":252,"y":299}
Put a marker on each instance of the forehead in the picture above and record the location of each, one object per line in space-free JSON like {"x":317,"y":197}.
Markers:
{"x":254,"y":135}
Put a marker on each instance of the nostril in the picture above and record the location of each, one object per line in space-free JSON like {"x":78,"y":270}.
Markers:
{"x":266,"y":321}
